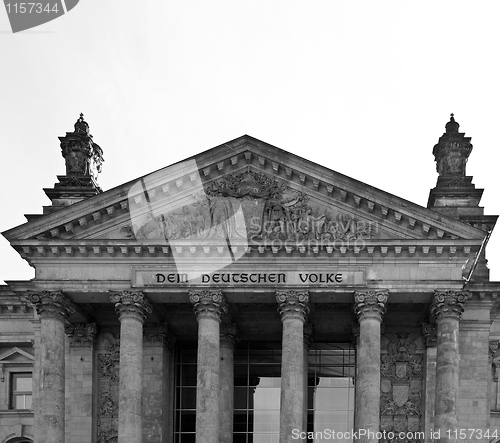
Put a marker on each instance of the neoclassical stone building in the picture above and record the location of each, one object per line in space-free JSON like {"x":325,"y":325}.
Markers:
{"x":249,"y":295}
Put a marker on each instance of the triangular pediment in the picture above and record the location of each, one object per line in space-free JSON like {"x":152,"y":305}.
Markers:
{"x":16,"y":355}
{"x":298,"y":199}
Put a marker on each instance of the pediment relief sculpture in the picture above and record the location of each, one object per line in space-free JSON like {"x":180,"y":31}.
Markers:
{"x":250,"y":206}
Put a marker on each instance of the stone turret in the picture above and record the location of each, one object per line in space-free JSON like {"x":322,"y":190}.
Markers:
{"x":83,"y":159}
{"x":455,"y":195}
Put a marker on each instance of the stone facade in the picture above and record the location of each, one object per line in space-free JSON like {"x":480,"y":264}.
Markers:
{"x":221,"y":298}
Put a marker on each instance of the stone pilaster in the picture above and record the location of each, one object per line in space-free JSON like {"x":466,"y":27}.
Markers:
{"x":79,"y":383}
{"x":36,"y":374}
{"x":355,"y":341}
{"x":369,"y":307}
{"x":430,"y":334}
{"x":54,"y":308}
{"x":132,"y":308}
{"x":496,"y":381}
{"x":228,"y":338}
{"x":293,"y":308}
{"x":308,"y":337}
{"x":493,"y":379}
{"x":447,"y":308}
{"x":209,"y":307}
{"x":158,"y":342}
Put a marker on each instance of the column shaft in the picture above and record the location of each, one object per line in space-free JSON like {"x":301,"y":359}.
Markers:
{"x":368,"y":383}
{"x":447,"y":359}
{"x":53,"y":308}
{"x":369,"y":307}
{"x":209,"y":307}
{"x":292,"y":379}
{"x":130,"y":394}
{"x":447,"y":308}
{"x":132,"y":308}
{"x":293,"y":307}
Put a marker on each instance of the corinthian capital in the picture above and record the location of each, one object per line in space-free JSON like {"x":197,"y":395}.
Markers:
{"x":208,"y":303}
{"x":370,"y":304}
{"x":81,"y":334}
{"x":229,"y":335}
{"x":448,"y":304}
{"x":308,"y":335}
{"x":52,"y":304}
{"x":430,"y":333}
{"x":158,"y":334}
{"x":293,"y":304}
{"x":131,"y":304}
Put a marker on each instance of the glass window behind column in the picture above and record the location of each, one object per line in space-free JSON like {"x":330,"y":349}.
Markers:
{"x":21,"y":384}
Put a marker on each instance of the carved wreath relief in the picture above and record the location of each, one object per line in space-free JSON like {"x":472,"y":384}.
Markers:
{"x":250,"y":205}
{"x":401,"y":384}
{"x":108,"y":373}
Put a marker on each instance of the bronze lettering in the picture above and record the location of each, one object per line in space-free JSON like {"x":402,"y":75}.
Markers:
{"x":304,"y":279}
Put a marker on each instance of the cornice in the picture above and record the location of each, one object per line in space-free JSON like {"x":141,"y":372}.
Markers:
{"x":124,"y":250}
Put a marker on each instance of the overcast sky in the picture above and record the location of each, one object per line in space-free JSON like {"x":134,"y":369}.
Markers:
{"x":362,"y":87}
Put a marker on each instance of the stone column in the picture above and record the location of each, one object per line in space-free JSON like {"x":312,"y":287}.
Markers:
{"x":54,"y":308}
{"x":293,"y":308}
{"x":308,"y":333}
{"x":369,"y":307}
{"x":429,"y":332}
{"x":132,"y":308}
{"x":447,"y":308}
{"x":228,"y":338}
{"x":209,"y":307}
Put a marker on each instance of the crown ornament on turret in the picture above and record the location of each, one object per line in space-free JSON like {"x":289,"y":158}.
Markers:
{"x":452,"y":151}
{"x":83,"y":158}
{"x":82,"y":155}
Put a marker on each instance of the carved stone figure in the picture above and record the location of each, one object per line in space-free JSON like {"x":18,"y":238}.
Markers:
{"x":82,"y":155}
{"x":253,"y":206}
{"x":108,"y":373}
{"x":401,"y":372}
